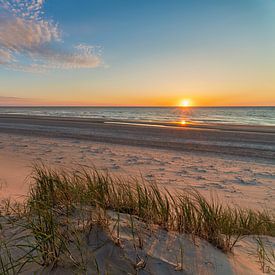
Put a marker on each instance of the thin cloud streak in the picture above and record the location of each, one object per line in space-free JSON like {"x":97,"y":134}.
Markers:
{"x":13,"y":101}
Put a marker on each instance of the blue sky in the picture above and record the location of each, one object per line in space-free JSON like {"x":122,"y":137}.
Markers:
{"x":125,"y":52}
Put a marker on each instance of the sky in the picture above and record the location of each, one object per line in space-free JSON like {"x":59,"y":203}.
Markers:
{"x":137,"y":52}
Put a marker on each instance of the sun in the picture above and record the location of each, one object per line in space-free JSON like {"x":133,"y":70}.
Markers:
{"x":185,"y":103}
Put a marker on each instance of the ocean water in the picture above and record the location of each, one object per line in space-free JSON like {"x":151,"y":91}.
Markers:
{"x":205,"y":115}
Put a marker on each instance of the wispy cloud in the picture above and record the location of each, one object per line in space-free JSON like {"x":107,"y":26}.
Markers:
{"x":31,"y":42}
{"x":7,"y":98}
{"x":11,"y":100}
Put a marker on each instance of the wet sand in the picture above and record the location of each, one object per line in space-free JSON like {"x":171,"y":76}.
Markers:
{"x":242,"y":141}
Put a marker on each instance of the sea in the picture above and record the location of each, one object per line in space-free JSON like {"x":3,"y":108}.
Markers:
{"x":264,"y":116}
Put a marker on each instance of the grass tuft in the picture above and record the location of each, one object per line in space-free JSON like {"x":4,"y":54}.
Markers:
{"x":56,"y":197}
{"x":187,"y":212}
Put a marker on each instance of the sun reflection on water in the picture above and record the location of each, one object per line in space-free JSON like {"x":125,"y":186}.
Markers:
{"x":183,"y":123}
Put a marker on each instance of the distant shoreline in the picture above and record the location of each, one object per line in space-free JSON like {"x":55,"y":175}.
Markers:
{"x":202,"y":117}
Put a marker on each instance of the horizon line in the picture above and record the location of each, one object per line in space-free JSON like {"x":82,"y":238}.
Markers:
{"x":135,"y":106}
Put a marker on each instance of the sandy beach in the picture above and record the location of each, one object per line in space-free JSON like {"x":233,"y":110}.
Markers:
{"x":236,"y":165}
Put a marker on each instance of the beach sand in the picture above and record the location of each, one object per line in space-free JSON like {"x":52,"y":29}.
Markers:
{"x":237,"y":166}
{"x":232,"y":169}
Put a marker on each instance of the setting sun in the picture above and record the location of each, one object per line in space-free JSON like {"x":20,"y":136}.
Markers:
{"x":185,"y":103}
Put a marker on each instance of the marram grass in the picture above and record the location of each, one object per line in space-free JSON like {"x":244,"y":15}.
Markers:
{"x":187,"y":212}
{"x":56,"y":196}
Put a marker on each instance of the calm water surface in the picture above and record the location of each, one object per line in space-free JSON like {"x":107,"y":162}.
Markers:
{"x":222,"y":115}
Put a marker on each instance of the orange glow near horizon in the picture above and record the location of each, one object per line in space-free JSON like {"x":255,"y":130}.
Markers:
{"x":159,"y":101}
{"x":185,"y":103}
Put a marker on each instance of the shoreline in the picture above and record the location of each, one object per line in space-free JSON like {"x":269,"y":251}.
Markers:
{"x":237,"y":141}
{"x":177,"y":124}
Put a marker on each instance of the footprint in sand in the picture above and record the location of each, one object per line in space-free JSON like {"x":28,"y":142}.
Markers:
{"x":240,"y":180}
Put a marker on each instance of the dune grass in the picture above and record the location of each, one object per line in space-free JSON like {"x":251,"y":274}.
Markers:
{"x":187,"y":212}
{"x":56,"y":196}
{"x":266,"y":255}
